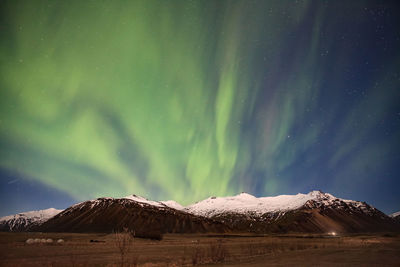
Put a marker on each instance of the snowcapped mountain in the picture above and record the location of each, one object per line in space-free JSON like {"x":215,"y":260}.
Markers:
{"x":25,"y":220}
{"x":169,"y":203}
{"x":144,"y":200}
{"x":173,"y":204}
{"x":149,"y":219}
{"x":312,"y":212}
{"x":247,"y":204}
{"x":394,"y":215}
{"x":315,"y":212}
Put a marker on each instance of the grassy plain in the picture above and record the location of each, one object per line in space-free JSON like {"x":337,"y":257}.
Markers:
{"x":202,"y":250}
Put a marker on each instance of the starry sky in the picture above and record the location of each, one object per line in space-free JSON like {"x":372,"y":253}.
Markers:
{"x":188,"y":99}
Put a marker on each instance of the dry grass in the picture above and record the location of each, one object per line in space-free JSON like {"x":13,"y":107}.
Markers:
{"x":124,"y":242}
{"x":193,"y":250}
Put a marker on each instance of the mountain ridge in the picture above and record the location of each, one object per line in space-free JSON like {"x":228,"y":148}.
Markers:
{"x":138,"y":215}
{"x":315,"y":211}
{"x":23,"y":221}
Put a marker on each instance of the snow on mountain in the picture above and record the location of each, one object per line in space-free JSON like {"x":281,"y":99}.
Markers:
{"x":394,"y":215}
{"x":140,"y":200}
{"x":246,"y":203}
{"x":148,"y":219}
{"x":242,"y":204}
{"x":144,"y":200}
{"x":23,"y":220}
{"x":169,"y":203}
{"x":36,"y":214}
{"x":173,"y":204}
{"x":312,"y":212}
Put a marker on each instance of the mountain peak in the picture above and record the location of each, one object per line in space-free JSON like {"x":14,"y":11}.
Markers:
{"x":243,"y":212}
{"x":143,"y":200}
{"x":24,"y":220}
{"x":172,"y":204}
{"x":316,"y":192}
{"x":33,"y":214}
{"x":246,"y":203}
{"x":245,"y":195}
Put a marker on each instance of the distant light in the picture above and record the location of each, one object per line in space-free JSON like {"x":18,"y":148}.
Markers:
{"x":332,"y":233}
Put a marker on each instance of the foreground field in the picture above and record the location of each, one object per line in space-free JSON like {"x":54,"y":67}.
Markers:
{"x":205,"y":250}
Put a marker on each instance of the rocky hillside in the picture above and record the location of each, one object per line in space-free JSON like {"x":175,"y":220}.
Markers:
{"x":315,"y":212}
{"x":145,"y":218}
{"x":26,"y":220}
{"x":395,"y":216}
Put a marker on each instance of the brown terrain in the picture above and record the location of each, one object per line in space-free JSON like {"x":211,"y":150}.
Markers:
{"x":312,"y":219}
{"x":122,"y":232}
{"x":106,"y":215}
{"x":200,"y":250}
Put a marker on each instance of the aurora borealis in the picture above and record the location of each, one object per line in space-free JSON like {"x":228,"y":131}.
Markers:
{"x":187,"y":99}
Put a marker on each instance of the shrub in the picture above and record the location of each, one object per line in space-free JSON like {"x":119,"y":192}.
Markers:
{"x":123,"y":241}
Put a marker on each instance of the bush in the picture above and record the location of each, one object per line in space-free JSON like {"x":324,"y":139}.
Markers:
{"x":123,"y":241}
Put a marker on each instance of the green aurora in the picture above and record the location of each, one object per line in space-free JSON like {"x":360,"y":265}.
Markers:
{"x":186,"y":99}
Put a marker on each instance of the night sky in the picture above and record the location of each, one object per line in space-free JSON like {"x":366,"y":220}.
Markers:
{"x":188,"y":99}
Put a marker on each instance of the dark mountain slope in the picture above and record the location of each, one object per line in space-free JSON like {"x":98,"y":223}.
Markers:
{"x":108,"y":215}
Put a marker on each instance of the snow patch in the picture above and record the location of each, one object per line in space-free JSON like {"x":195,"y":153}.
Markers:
{"x":173,"y":204}
{"x":39,"y":214}
{"x":393,"y":215}
{"x":25,"y":219}
{"x":144,"y":200}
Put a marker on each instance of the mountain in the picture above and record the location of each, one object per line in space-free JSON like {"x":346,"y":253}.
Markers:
{"x":395,"y":216}
{"x":315,"y":212}
{"x":145,"y":217}
{"x":26,"y":220}
{"x":169,"y":203}
{"x":173,"y":204}
{"x":247,"y":204}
